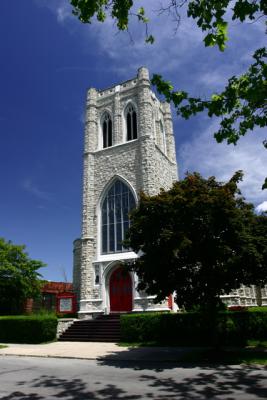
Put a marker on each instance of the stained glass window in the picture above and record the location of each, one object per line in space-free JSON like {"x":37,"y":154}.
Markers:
{"x":118,"y":203}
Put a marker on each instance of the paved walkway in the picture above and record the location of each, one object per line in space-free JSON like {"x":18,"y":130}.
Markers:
{"x":95,"y":351}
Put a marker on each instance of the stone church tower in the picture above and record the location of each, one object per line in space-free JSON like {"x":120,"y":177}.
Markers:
{"x":129,"y":147}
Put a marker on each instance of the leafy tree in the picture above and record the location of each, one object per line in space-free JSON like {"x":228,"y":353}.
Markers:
{"x":199,"y":239}
{"x":260,"y":240}
{"x":19,"y":277}
{"x":242,"y":105}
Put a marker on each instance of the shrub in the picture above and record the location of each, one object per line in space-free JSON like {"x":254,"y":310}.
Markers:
{"x":163,"y":328}
{"x":140,"y":327}
{"x":28,"y":329}
{"x":195,"y":329}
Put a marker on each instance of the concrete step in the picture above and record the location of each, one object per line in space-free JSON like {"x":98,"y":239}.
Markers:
{"x":74,"y":339}
{"x":104,"y":328}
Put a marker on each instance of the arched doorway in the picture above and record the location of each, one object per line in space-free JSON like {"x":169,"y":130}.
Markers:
{"x":120,"y":290}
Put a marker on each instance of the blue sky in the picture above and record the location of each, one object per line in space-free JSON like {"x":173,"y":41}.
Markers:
{"x":48,"y":59}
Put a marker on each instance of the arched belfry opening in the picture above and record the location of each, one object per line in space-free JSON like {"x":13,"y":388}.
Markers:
{"x":131,"y":122}
{"x":107,"y":133}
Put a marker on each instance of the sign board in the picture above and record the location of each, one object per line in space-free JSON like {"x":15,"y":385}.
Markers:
{"x":66,"y":303}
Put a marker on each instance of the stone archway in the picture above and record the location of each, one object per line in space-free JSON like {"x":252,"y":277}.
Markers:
{"x":120,"y":291}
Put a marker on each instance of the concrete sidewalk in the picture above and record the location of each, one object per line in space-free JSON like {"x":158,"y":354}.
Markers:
{"x":95,"y":351}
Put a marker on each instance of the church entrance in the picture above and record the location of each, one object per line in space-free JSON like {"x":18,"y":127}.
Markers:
{"x":120,"y":291}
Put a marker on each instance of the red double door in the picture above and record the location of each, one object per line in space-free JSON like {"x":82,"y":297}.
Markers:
{"x":120,"y":291}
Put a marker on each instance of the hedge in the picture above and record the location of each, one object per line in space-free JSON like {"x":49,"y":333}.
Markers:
{"x":28,"y":329}
{"x":194,"y":329}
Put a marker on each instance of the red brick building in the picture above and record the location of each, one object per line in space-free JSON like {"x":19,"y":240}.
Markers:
{"x":49,"y":292}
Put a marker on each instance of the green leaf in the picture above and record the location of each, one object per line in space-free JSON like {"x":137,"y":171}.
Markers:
{"x":101,"y":16}
{"x":141,"y":11}
{"x":210,"y":40}
{"x":215,"y":97}
{"x":150,"y":39}
{"x":264,"y":186}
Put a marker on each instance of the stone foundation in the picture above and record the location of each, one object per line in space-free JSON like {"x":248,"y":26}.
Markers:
{"x":63,"y":324}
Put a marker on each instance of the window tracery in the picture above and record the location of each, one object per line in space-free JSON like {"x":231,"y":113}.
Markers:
{"x":107,"y":131}
{"x":118,"y":203}
{"x":131,"y":123}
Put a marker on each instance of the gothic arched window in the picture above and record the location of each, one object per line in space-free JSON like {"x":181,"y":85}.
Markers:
{"x":107,"y":130}
{"x":131,"y":122}
{"x":117,"y":204}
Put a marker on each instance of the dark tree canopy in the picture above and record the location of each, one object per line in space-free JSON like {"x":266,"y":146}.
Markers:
{"x":200,"y":239}
{"x":19,"y":277}
{"x":242,"y":105}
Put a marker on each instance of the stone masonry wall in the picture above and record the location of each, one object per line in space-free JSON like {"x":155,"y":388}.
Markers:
{"x":77,"y":254}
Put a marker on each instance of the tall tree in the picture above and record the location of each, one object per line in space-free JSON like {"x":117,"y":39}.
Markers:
{"x":259,"y":228}
{"x":19,"y":277}
{"x":242,"y":105}
{"x":199,"y":239}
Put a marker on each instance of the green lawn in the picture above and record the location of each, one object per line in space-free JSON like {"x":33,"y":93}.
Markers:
{"x":2,"y":346}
